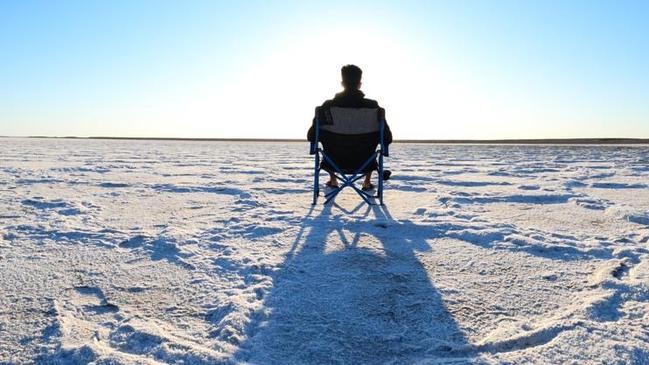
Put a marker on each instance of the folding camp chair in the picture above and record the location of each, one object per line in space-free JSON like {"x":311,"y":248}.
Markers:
{"x":349,"y":138}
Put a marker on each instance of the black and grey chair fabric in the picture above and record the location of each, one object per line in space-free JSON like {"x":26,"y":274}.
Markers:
{"x":351,"y":139}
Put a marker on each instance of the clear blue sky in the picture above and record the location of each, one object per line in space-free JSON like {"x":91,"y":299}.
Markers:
{"x":442,"y":69}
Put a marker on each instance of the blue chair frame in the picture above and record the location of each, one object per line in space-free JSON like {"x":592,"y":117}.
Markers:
{"x":347,"y":180}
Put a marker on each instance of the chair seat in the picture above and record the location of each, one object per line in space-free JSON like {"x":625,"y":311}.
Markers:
{"x":324,"y":165}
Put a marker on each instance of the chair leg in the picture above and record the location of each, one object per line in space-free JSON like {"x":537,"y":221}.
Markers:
{"x":316,"y":179}
{"x":348,"y":181}
{"x":332,"y":195}
{"x":362,"y":195}
{"x":381,"y":178}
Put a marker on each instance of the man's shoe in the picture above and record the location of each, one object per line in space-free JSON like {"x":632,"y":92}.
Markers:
{"x":387,"y":174}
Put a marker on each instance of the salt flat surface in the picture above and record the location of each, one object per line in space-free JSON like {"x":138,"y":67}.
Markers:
{"x":124,"y":252}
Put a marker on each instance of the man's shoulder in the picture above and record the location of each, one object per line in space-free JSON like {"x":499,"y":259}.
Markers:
{"x":359,"y":103}
{"x":327,"y":103}
{"x":370,"y":103}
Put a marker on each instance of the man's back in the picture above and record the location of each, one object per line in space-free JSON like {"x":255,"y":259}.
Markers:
{"x":351,"y":98}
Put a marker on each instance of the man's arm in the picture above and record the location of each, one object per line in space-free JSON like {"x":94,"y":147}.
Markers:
{"x":387,"y":133}
{"x":310,"y":135}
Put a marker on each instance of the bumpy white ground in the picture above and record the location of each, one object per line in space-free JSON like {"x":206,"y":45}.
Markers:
{"x":142,"y":252}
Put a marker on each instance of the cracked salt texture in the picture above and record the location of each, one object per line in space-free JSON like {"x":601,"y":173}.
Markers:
{"x":201,"y":253}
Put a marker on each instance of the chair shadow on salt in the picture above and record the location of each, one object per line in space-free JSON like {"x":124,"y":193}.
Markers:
{"x":356,"y":303}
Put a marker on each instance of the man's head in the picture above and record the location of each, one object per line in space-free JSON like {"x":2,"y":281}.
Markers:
{"x":351,"y":76}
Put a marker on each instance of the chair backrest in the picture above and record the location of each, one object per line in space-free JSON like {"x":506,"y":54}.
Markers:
{"x":349,"y":136}
{"x":350,"y":121}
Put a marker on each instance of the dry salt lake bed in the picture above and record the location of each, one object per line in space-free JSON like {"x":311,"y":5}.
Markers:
{"x":152,"y":252}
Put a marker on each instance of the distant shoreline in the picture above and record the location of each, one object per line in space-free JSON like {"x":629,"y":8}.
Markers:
{"x":587,"y":141}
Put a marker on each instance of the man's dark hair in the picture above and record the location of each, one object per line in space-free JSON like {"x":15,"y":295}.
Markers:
{"x":351,"y":76}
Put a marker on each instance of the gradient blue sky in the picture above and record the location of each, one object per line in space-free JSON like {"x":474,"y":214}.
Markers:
{"x":442,"y":69}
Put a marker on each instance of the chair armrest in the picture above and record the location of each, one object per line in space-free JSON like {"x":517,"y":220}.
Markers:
{"x":385,"y":151}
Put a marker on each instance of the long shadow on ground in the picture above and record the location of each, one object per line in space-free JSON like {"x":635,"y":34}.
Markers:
{"x":355,"y":303}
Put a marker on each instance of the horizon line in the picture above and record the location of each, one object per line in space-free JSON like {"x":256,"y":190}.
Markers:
{"x":606,"y":140}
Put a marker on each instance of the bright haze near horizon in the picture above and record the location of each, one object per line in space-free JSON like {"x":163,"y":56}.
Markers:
{"x":257,"y":69}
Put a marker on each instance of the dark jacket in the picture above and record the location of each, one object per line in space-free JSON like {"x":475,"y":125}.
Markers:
{"x":351,"y":98}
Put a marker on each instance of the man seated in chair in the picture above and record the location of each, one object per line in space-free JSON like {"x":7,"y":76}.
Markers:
{"x":351,"y":97}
